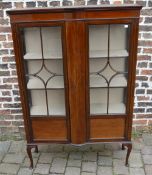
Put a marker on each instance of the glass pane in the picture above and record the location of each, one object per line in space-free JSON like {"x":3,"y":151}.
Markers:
{"x":32,"y":42}
{"x":52,"y":38}
{"x":43,"y":63}
{"x":117,"y":101}
{"x":98,"y":41}
{"x":98,"y":101}
{"x":118,"y":40}
{"x":108,"y":68}
{"x":37,"y":102}
{"x":56,"y":102}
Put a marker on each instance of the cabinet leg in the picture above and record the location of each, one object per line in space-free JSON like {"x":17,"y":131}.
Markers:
{"x":36,"y":149}
{"x":129,"y":146}
{"x":123,"y":147}
{"x":29,"y":148}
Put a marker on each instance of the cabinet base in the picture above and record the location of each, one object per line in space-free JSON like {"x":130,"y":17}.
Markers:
{"x":30,"y":146}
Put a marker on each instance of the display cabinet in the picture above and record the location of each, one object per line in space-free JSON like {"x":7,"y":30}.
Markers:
{"x":76,"y":71}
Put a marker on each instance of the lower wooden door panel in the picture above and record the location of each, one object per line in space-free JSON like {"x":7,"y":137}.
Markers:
{"x":57,"y":129}
{"x":106,"y":128}
{"x":49,"y":129}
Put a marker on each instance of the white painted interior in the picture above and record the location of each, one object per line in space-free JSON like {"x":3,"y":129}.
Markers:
{"x":98,"y":101}
{"x":51,"y":38}
{"x":98,"y":52}
{"x":52,"y":50}
{"x":55,"y":66}
{"x":56,"y":102}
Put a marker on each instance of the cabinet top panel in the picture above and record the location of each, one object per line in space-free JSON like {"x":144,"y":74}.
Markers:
{"x":75,"y":8}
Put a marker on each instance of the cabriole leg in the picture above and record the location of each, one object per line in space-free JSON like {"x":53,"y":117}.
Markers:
{"x":123,"y":147}
{"x":36,"y":149}
{"x":129,"y":146}
{"x":29,"y":148}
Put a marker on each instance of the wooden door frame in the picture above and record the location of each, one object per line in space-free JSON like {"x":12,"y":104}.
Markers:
{"x":133,"y":22}
{"x":22,"y":81}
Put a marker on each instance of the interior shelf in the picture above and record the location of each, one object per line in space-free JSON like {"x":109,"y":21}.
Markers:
{"x":38,"y":110}
{"x":101,"y":108}
{"x":45,"y":72}
{"x":32,"y":56}
{"x":98,"y":81}
{"x":56,"y":82}
{"x":104,"y":53}
{"x":58,"y":109}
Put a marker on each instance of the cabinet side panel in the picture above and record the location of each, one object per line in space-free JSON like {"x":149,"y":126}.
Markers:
{"x":21,"y":80}
{"x":132,"y":71}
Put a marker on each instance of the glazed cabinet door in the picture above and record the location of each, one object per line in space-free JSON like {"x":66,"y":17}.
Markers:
{"x":109,"y":79}
{"x":43,"y":62}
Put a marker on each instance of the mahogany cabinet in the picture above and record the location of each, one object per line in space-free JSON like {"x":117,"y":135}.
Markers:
{"x":76,"y":71}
